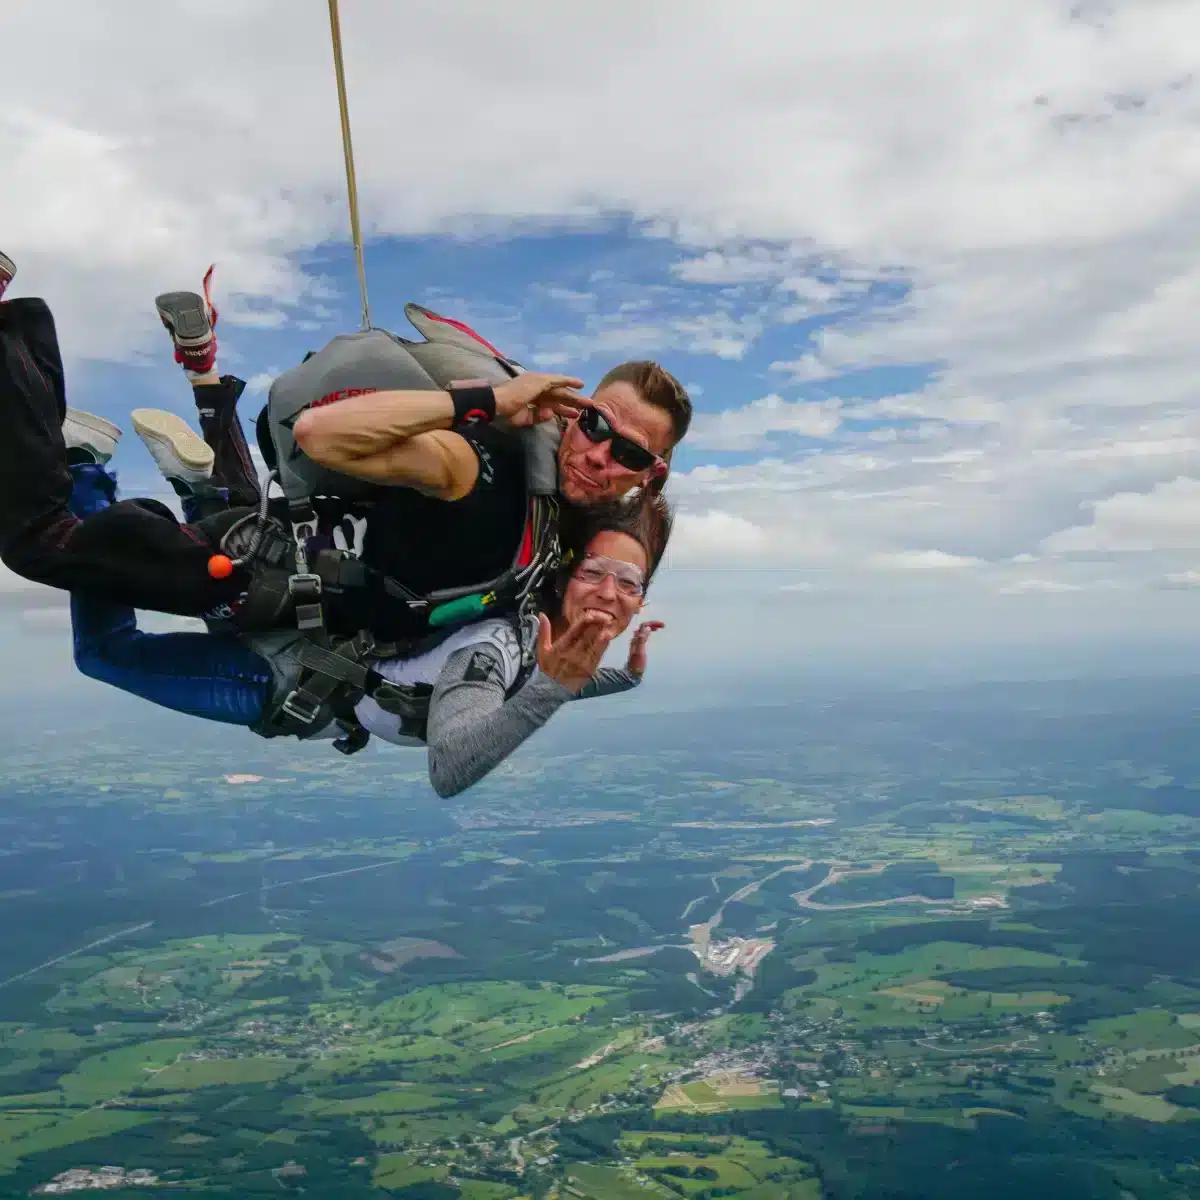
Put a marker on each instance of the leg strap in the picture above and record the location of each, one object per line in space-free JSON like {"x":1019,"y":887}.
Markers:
{"x":330,"y":676}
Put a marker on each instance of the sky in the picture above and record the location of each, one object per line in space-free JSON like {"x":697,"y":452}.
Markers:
{"x":929,"y":270}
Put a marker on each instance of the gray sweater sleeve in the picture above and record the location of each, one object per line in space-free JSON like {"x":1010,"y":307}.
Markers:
{"x":472,"y":727}
{"x":608,"y":681}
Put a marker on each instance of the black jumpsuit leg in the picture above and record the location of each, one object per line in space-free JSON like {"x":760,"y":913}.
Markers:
{"x":135,"y":551}
{"x":233,"y":469}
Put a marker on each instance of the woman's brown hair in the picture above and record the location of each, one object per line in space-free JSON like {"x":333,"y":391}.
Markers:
{"x":646,"y":517}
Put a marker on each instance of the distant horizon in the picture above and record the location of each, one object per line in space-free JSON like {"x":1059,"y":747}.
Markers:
{"x":86,"y":704}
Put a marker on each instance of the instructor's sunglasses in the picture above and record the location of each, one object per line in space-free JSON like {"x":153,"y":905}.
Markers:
{"x":594,"y":426}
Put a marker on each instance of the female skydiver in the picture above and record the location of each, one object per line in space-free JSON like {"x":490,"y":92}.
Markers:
{"x":479,"y":711}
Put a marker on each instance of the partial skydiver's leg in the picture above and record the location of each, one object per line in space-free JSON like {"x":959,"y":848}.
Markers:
{"x":134,"y":551}
{"x":189,"y":320}
{"x":199,"y":674}
{"x":234,"y":470}
{"x":185,"y":460}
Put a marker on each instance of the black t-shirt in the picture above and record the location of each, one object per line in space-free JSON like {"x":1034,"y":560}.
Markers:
{"x":427,"y":544}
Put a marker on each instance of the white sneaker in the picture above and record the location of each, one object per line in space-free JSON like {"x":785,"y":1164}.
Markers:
{"x":90,"y":433}
{"x":179,"y":452}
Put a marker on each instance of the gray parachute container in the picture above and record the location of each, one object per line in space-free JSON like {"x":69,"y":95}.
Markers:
{"x":377,"y":360}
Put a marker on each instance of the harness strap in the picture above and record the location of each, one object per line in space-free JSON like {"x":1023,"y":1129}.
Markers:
{"x":333,"y":678}
{"x":339,"y":572}
{"x":328,"y":672}
{"x":342,"y":664}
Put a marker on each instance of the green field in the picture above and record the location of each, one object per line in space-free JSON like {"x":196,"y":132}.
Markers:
{"x":40,"y":1137}
{"x":118,"y":1072}
{"x":1142,"y":1032}
{"x":1133,"y":1104}
{"x":726,"y":1162}
{"x":400,"y":1170}
{"x":610,"y":1183}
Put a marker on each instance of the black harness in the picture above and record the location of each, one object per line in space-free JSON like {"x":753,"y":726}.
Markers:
{"x":320,"y":677}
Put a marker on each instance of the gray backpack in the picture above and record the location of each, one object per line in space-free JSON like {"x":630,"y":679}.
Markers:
{"x":376,"y":360}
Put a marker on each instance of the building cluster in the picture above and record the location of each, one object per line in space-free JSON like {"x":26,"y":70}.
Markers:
{"x":80,"y":1179}
{"x":729,"y":955}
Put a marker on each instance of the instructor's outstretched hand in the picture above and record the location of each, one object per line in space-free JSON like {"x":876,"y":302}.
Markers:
{"x":572,"y":658}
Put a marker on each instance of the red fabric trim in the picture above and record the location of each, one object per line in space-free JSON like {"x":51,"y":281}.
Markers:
{"x":463,"y":329}
{"x":212,"y":312}
{"x":525,"y":557}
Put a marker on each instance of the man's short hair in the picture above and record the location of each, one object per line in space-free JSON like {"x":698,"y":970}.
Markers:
{"x":657,"y":386}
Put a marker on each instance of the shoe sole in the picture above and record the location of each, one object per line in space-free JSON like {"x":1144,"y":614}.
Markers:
{"x":189,"y":447}
{"x":7,"y":266}
{"x":94,"y":424}
{"x":184,"y":314}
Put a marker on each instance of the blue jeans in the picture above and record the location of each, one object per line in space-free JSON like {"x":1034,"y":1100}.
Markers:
{"x":200,"y":674}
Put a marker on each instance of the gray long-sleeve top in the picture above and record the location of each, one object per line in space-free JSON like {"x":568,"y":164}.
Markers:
{"x":473,"y":727}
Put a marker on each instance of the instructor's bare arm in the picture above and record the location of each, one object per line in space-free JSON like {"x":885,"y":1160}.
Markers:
{"x":359,"y":426}
{"x":439,"y":463}
{"x":405,"y":438}
{"x":401,"y":438}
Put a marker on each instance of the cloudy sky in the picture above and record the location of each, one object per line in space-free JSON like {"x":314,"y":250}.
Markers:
{"x":930,"y":269}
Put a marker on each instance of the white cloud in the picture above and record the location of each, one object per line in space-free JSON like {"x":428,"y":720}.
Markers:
{"x":1182,"y":580}
{"x":918,"y":139}
{"x":756,"y":266}
{"x":1165,"y":518}
{"x":1051,"y":586}
{"x":644,"y":321}
{"x":260,"y":382}
{"x":924,"y":560}
{"x":747,"y":428}
{"x":806,"y":369}
{"x":714,"y":537}
{"x":571,"y":299}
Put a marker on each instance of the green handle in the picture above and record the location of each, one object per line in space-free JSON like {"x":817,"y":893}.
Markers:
{"x":456,"y":610}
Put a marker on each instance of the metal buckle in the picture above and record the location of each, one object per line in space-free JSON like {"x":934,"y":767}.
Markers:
{"x":309,"y":616}
{"x":302,"y":708}
{"x":305,"y":582}
{"x":302,"y":530}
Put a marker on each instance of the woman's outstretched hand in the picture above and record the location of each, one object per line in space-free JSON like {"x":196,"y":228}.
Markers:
{"x":637,"y":647}
{"x":573,"y":657}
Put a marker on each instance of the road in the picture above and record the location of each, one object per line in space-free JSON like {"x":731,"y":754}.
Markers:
{"x":700,"y":934}
{"x":53,"y":962}
{"x":838,"y":872}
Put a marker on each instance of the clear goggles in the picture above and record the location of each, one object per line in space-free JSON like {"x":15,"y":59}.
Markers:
{"x":596,"y":568}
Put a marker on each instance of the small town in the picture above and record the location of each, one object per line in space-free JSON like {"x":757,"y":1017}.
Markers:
{"x":80,"y":1179}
